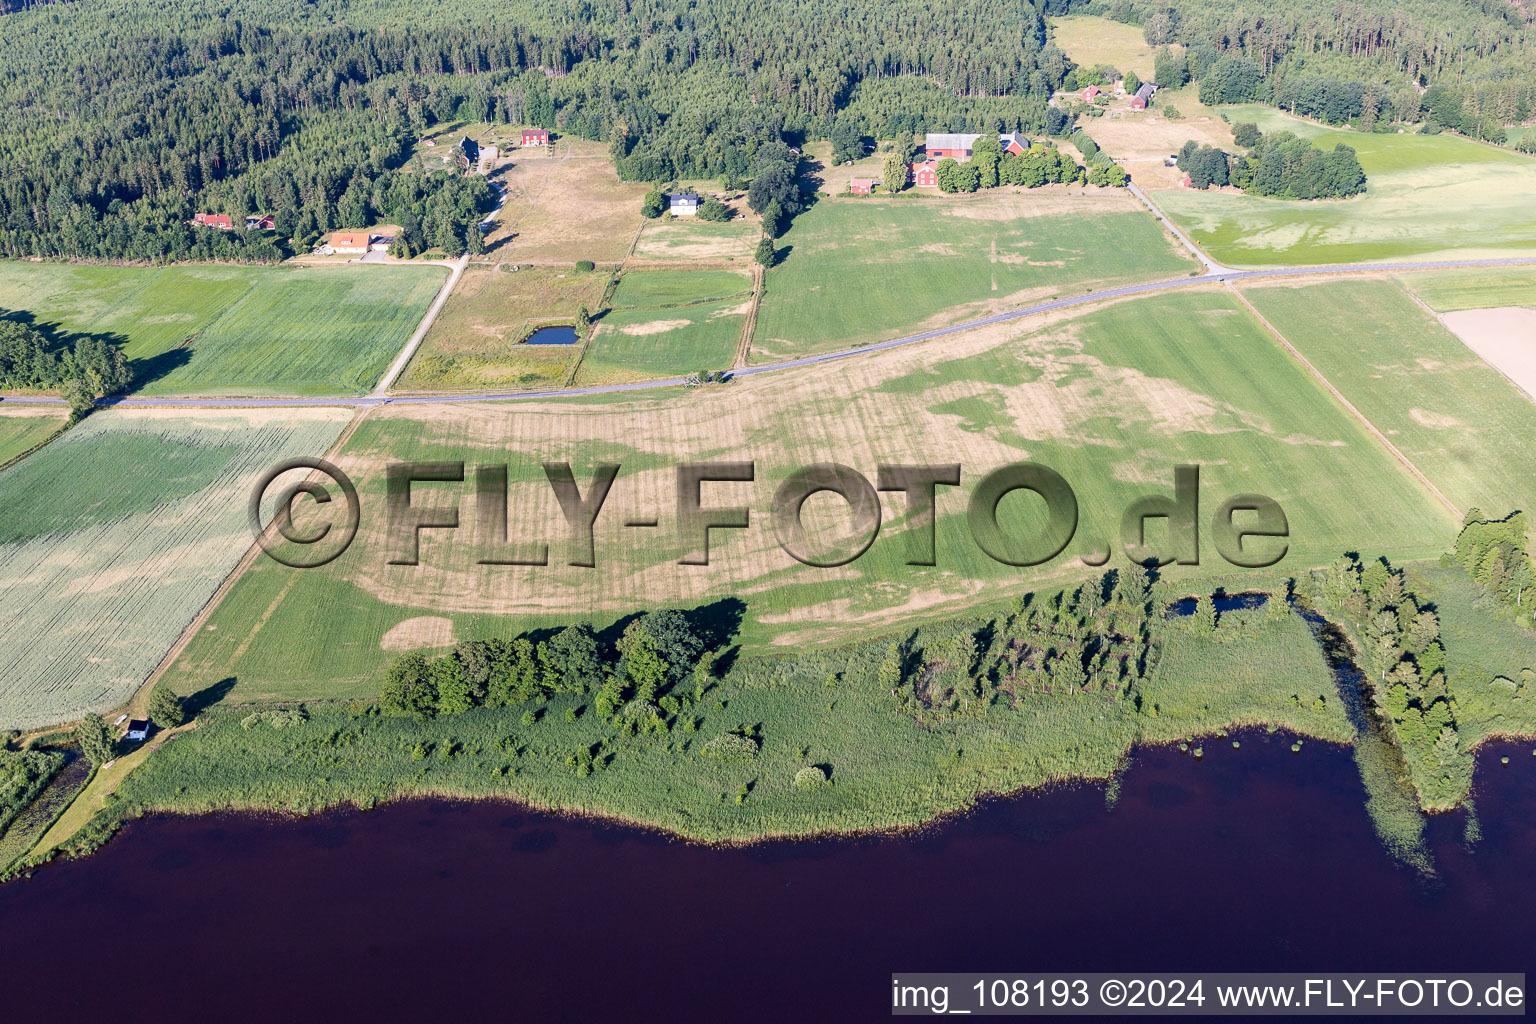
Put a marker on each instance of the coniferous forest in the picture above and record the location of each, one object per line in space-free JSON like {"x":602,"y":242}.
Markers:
{"x":121,"y":120}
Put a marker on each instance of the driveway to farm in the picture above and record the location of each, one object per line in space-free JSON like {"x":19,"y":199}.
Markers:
{"x":380,"y":397}
{"x":398,"y":366}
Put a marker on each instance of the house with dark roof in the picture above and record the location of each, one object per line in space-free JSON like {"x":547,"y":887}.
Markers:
{"x":468,"y":154}
{"x":952,"y":144}
{"x":682,"y":204}
{"x":1143,"y":96}
{"x":138,"y":730}
{"x":1013,"y":143}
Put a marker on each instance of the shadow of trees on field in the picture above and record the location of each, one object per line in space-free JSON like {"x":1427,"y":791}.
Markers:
{"x":196,"y":703}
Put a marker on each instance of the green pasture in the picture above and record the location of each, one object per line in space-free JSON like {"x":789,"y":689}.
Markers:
{"x":20,"y":432}
{"x":1478,"y":288}
{"x":1427,"y":197}
{"x":858,"y":272}
{"x":676,"y":341}
{"x":232,"y":330}
{"x":640,"y":289}
{"x":1454,"y":417}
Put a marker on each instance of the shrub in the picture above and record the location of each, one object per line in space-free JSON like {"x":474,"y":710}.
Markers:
{"x":585,"y":266}
{"x":530,"y":717}
{"x":810,"y":777}
{"x":731,"y":748}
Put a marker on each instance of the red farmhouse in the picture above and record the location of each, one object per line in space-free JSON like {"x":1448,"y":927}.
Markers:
{"x":213,"y":220}
{"x":862,"y":186}
{"x":924,"y":175}
{"x":1089,"y":93}
{"x":535,"y":137}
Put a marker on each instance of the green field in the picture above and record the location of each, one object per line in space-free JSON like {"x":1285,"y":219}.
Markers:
{"x":858,"y":272}
{"x":23,"y":429}
{"x":1457,"y":419}
{"x":642,"y":289}
{"x":1481,"y":288}
{"x":887,"y":766}
{"x":233,"y":330}
{"x":476,"y":341}
{"x":1113,"y":400}
{"x":1428,"y":196}
{"x":114,"y":536}
{"x":633,"y":344}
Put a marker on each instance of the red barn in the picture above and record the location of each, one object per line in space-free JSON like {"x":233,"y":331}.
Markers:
{"x":535,"y":137}
{"x":1089,"y":93}
{"x":213,"y":220}
{"x":1013,"y":143}
{"x":862,"y":186}
{"x":1143,"y":96}
{"x":925,"y":175}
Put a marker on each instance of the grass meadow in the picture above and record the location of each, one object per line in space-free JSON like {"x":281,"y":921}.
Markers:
{"x":1091,"y":40}
{"x":688,"y":238}
{"x":23,"y":429}
{"x":1428,"y":196}
{"x":114,"y":536}
{"x":1482,"y":288}
{"x":475,"y":342}
{"x":642,"y":343}
{"x":1112,"y":400}
{"x":886,"y":768}
{"x":1457,"y":419}
{"x":858,"y":272}
{"x":642,"y":289}
{"x":211,"y":330}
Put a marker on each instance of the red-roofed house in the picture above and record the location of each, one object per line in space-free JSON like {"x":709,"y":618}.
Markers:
{"x":1143,"y":96}
{"x":213,"y":220}
{"x":862,"y":186}
{"x":262,"y":223}
{"x":1013,"y":143}
{"x":535,"y":136}
{"x":1089,"y":93}
{"x":350,"y":242}
{"x":925,"y":175}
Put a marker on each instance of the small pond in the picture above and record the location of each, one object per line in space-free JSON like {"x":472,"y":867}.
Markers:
{"x":552,"y":336}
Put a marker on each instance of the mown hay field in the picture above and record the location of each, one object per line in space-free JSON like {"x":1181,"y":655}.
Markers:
{"x":22,"y":429}
{"x":114,"y":536}
{"x":856,"y":272}
{"x":233,"y":330}
{"x":641,"y":289}
{"x":1454,"y":417}
{"x":1427,"y":196}
{"x":688,"y":238}
{"x":1112,"y":399}
{"x":645,"y":343}
{"x":565,"y":205}
{"x":475,"y":342}
{"x":1091,"y":40}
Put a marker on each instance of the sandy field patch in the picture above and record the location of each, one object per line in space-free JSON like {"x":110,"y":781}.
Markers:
{"x":566,"y":206}
{"x":418,"y":632}
{"x":1141,"y":140}
{"x":653,"y":327}
{"x":1504,"y":337}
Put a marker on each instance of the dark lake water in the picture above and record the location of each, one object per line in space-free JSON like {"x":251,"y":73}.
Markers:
{"x":1252,"y":859}
{"x":552,"y":336}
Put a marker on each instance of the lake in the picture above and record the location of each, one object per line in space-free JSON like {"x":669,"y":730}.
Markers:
{"x":1250,"y":859}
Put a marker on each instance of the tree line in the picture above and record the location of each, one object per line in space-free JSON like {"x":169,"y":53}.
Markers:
{"x":90,"y":367}
{"x":1280,"y":165}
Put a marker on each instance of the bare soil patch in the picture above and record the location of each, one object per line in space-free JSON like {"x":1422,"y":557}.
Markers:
{"x":1505,"y":337}
{"x":421,"y":631}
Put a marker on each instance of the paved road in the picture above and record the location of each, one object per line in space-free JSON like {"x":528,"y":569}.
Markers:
{"x":1146,"y":288}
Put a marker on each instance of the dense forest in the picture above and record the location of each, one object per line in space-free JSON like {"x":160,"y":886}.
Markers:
{"x":1465,"y":66}
{"x":120,"y":121}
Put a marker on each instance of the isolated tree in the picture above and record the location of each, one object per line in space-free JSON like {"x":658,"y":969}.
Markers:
{"x":165,"y":708}
{"x":583,"y":321}
{"x":766,"y":254}
{"x":773,"y":220}
{"x":1203,"y":621}
{"x":95,"y":742}
{"x":1132,"y":82}
{"x":894,"y":176}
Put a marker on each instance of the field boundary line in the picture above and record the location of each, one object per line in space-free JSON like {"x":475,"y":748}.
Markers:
{"x":744,"y":346}
{"x":1339,"y":395}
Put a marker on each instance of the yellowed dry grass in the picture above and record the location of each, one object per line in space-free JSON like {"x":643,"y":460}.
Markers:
{"x":565,"y":206}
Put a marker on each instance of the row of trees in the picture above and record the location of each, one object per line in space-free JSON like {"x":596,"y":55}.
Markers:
{"x":1280,"y":165}
{"x":1403,"y":657}
{"x":657,"y":652}
{"x":86,"y":369}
